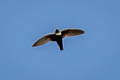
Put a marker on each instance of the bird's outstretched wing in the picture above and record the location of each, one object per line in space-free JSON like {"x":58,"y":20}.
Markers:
{"x":71,"y":32}
{"x":42,"y":40}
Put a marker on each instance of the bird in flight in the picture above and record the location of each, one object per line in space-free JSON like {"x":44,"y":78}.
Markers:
{"x":58,"y":36}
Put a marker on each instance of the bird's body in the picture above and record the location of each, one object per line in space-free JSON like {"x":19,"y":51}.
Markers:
{"x":58,"y":36}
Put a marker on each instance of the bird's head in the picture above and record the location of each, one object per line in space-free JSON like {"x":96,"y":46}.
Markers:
{"x":57,"y":30}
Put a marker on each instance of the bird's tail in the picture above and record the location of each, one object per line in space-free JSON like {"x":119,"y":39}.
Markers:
{"x":60,"y":44}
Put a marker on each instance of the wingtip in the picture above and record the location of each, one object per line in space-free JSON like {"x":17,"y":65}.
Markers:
{"x":33,"y":45}
{"x":83,"y":32}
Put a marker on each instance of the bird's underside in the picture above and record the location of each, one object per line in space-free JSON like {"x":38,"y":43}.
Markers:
{"x":57,"y":36}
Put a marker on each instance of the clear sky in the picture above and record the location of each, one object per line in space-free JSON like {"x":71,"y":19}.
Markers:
{"x":92,"y":56}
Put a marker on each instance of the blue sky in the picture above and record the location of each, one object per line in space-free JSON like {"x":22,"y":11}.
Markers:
{"x":92,"y":56}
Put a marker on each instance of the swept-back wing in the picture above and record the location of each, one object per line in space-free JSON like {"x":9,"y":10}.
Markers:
{"x":71,"y":32}
{"x":42,"y":40}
